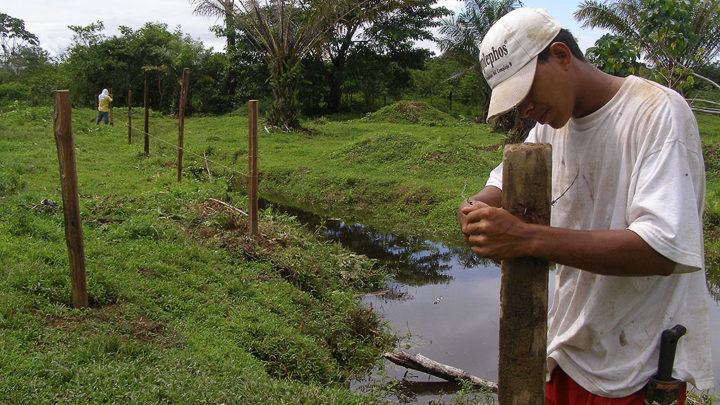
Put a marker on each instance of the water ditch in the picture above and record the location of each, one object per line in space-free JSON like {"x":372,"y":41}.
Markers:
{"x":444,"y":299}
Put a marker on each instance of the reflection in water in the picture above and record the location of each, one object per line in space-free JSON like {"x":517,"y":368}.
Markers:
{"x":446,"y":300}
{"x":413,"y":261}
{"x":713,"y":284}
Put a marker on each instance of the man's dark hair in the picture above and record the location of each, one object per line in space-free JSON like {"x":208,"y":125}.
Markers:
{"x":566,"y":38}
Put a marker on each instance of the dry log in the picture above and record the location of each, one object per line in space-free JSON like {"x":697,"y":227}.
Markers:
{"x":372,"y":294}
{"x":432,"y":367}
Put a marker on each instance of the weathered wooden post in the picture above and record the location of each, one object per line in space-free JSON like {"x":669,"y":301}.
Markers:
{"x":181,"y":117}
{"x":524,"y":281}
{"x":147,"y":118}
{"x":62,"y":128}
{"x":253,"y":167}
{"x":129,"y":117}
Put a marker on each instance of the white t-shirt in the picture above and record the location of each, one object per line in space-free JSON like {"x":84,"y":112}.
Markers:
{"x":635,"y":164}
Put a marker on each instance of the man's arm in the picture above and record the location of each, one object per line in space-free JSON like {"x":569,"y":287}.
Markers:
{"x":496,"y":234}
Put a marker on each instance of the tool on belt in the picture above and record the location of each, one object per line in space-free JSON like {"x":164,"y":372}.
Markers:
{"x":662,"y":389}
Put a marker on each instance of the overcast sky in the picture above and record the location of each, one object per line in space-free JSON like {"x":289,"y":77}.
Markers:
{"x":48,"y":19}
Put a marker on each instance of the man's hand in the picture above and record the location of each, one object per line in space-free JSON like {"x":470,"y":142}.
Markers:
{"x":492,"y":232}
{"x":496,"y":234}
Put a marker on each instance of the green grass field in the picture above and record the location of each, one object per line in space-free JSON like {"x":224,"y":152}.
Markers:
{"x":184,"y":307}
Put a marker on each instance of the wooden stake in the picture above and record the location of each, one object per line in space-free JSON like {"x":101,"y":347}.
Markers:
{"x":147,"y":115}
{"x":129,"y":117}
{"x":524,"y":281}
{"x":62,"y":128}
{"x":253,"y":167}
{"x":181,"y":115}
{"x":207,"y":168}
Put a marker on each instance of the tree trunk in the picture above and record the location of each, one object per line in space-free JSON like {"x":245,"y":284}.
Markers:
{"x":231,"y":79}
{"x":284,"y":111}
{"x":160,"y":92}
{"x":337,"y":76}
{"x":516,"y":127}
{"x":337,"y":70}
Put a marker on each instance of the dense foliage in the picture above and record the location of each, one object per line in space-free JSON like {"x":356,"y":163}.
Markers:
{"x":340,"y":57}
{"x":675,"y":37}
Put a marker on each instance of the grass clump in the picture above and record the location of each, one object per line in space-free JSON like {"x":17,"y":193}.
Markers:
{"x":411,"y":112}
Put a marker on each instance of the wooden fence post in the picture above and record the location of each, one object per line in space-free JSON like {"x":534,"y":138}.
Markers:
{"x":62,"y":128}
{"x":129,"y":117}
{"x":147,"y":116}
{"x":524,"y":281}
{"x":181,"y":117}
{"x":253,"y":167}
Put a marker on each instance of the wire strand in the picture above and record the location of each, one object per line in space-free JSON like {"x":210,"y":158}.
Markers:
{"x":187,"y":151}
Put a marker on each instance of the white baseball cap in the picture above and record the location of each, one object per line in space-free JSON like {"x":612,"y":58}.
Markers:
{"x":508,"y":55}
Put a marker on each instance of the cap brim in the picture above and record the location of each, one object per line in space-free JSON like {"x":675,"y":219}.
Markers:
{"x":511,"y":91}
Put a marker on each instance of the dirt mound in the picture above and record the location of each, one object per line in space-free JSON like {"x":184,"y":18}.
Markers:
{"x":411,"y":112}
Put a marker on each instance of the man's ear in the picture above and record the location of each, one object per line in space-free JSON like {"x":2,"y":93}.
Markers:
{"x":562,"y":54}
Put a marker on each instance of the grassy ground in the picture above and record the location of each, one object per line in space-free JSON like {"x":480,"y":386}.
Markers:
{"x":399,"y":177}
{"x":187,"y":309}
{"x":184,"y":307}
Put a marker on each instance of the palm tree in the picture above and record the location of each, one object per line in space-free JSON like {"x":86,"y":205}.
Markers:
{"x":284,"y":31}
{"x":460,"y":40}
{"x":223,"y":9}
{"x":676,"y":37}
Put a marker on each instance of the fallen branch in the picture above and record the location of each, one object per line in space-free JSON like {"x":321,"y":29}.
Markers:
{"x":432,"y":367}
{"x":372,"y":294}
{"x":224,"y":204}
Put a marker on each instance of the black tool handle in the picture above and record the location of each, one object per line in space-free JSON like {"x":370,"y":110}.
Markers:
{"x":668,"y":344}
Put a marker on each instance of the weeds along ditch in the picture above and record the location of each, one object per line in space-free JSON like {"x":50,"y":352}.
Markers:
{"x":186,"y":308}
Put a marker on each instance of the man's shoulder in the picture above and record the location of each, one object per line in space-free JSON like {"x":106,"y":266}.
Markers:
{"x":653,"y":95}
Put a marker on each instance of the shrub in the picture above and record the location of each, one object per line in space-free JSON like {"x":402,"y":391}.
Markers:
{"x":14,"y":91}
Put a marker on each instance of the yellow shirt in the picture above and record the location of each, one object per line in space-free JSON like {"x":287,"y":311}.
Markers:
{"x":104,"y":105}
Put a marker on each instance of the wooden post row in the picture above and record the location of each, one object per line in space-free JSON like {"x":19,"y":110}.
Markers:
{"x":524,"y":281}
{"x":147,"y":124}
{"x":253,"y":167}
{"x":62,"y":128}
{"x":181,"y":117}
{"x":129,"y":117}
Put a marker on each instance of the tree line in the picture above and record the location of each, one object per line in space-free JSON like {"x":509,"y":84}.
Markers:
{"x":315,"y":57}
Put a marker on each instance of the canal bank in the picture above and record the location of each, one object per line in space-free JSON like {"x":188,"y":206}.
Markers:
{"x":442,"y":299}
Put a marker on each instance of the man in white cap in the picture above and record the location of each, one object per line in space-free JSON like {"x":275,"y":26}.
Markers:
{"x":626,"y":229}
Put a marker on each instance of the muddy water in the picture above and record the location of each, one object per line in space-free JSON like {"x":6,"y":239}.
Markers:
{"x":445,"y":300}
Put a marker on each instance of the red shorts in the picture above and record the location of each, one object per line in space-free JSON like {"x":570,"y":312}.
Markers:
{"x":563,"y":390}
